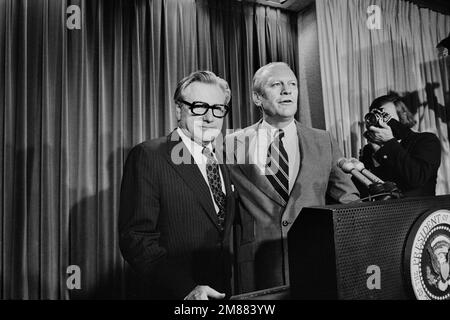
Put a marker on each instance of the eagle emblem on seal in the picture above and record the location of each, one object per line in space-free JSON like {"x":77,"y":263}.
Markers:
{"x":439,"y":252}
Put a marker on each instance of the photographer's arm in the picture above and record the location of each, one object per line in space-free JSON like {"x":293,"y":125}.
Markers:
{"x":415,"y":166}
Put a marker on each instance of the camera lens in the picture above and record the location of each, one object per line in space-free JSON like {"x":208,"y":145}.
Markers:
{"x":371,"y":119}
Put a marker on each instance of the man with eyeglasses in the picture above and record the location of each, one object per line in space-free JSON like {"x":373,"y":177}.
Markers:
{"x":176,"y":207}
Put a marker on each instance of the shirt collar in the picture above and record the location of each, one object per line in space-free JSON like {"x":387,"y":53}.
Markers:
{"x":192,"y":145}
{"x":289,"y":130}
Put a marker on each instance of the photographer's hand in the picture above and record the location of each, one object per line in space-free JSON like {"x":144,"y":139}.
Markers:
{"x":381,"y":135}
{"x":369,"y":136}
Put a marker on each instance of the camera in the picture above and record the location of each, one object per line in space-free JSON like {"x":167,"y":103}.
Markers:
{"x":375,"y":117}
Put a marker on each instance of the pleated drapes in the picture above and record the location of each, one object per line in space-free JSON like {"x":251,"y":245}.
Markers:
{"x":359,"y":64}
{"x":73,"y":103}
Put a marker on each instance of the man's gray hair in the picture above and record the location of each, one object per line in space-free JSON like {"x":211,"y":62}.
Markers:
{"x":203,"y":77}
{"x":257,"y":78}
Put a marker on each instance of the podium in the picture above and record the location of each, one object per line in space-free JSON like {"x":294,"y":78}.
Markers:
{"x":394,"y":249}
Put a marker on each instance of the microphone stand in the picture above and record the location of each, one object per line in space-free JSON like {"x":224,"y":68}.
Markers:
{"x":378,"y":189}
{"x":384,"y":191}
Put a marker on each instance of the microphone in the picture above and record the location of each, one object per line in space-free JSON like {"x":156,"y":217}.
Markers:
{"x":369,"y":175}
{"x":348,"y":167}
{"x":375,"y":185}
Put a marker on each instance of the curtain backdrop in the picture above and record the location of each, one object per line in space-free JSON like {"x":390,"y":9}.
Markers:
{"x":358,"y":65}
{"x":73,"y":103}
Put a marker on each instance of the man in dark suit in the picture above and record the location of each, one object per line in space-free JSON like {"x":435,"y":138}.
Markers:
{"x":410,"y":159}
{"x":176,"y":202}
{"x":280,"y":167}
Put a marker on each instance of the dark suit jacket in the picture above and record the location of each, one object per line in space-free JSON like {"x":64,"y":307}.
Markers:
{"x":412,"y":163}
{"x":263,"y":222}
{"x":168,"y":225}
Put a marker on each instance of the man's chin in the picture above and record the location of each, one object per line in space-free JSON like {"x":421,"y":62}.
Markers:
{"x":207,"y":137}
{"x":287,"y":111}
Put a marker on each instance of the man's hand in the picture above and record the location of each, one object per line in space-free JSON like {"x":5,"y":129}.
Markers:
{"x":379,"y":136}
{"x":204,"y":293}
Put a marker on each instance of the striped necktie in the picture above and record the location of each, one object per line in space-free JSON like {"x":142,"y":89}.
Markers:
{"x":212,"y":172}
{"x":277,"y":168}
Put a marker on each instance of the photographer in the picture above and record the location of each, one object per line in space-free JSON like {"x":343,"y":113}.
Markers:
{"x":398,"y":154}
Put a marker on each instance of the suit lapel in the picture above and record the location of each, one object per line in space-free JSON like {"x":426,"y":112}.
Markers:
{"x":296,"y":202}
{"x":246,"y":143}
{"x":182,"y":161}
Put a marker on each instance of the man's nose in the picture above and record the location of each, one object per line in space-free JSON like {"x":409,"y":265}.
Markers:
{"x":208,"y":116}
{"x":286,"y":89}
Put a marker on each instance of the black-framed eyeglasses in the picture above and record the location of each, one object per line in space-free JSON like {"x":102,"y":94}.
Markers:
{"x":199,"y":108}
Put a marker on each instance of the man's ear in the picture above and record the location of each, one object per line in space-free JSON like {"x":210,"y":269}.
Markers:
{"x":257,"y":99}
{"x":178,"y":111}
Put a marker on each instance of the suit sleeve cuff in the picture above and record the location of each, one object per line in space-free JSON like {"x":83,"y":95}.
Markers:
{"x":387,"y":154}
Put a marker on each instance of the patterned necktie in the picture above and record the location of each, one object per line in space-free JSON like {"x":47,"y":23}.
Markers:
{"x":212,"y":171}
{"x":277,"y":168}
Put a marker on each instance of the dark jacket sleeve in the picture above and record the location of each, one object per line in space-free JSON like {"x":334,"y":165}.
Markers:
{"x":138,"y":225}
{"x":365,"y":156}
{"x":415,"y":166}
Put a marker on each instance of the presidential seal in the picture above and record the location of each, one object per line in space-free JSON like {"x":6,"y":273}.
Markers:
{"x":427,"y":256}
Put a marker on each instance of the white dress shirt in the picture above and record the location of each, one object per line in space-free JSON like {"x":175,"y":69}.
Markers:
{"x":265,"y":136}
{"x":200,"y":159}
